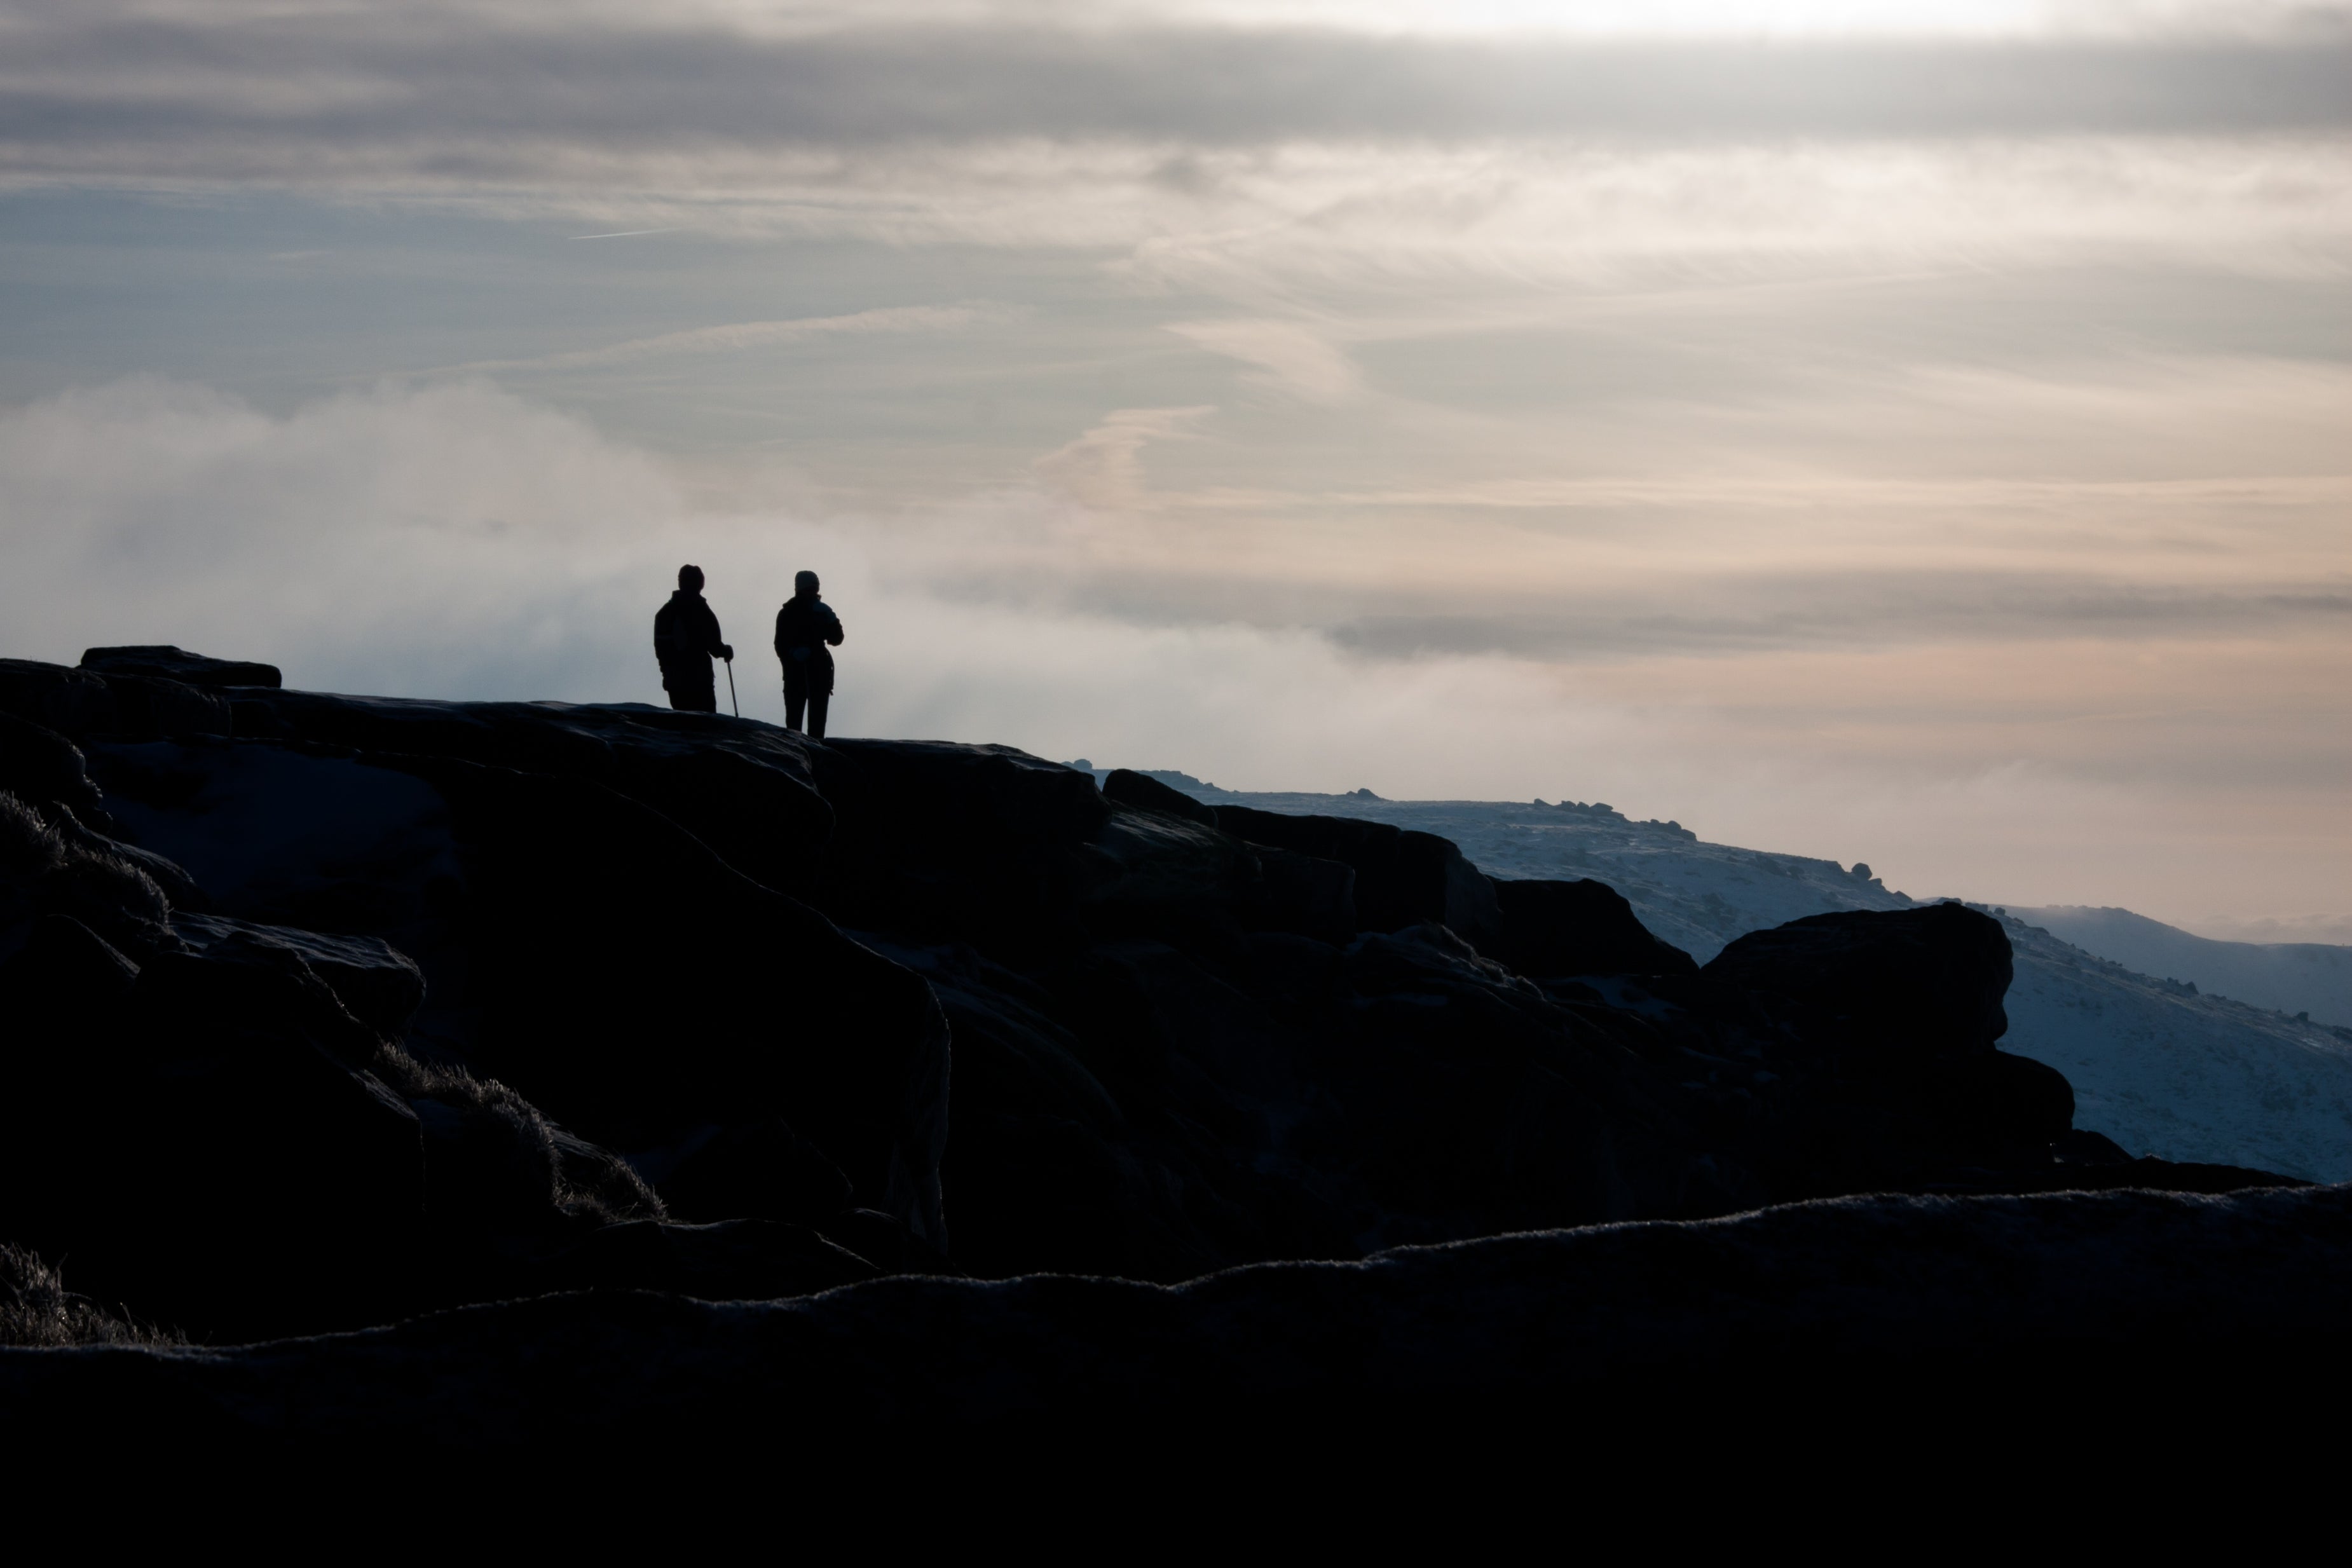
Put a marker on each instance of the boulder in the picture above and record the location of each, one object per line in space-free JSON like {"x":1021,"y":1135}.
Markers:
{"x":1874,"y":1033}
{"x":380,"y":986}
{"x":1148,"y":794}
{"x":1402,"y":877}
{"x":178,"y":664}
{"x":1584,"y":928}
{"x":1886,"y":985}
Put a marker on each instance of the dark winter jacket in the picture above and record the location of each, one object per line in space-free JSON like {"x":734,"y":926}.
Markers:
{"x":804,"y":627}
{"x":686,"y":637}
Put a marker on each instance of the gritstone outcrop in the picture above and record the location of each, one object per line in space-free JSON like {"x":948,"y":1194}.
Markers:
{"x":326,"y":1012}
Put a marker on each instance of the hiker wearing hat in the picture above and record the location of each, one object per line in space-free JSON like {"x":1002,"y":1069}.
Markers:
{"x":685,"y":639}
{"x":804,"y":627}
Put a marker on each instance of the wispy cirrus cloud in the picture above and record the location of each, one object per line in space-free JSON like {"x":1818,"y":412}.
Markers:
{"x":736,"y":336}
{"x":1290,"y":355}
{"x":1103,"y":468}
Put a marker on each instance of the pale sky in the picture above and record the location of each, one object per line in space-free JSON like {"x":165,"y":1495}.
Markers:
{"x":1916,"y":433}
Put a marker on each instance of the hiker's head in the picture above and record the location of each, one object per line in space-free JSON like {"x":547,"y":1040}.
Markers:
{"x":804,"y":584}
{"x":690,"y":579}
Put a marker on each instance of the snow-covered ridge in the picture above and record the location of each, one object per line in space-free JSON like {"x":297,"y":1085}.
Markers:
{"x":2156,"y":1066}
{"x":2301,"y":978}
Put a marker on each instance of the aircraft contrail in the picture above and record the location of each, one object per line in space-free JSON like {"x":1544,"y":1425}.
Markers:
{"x":627,"y":233}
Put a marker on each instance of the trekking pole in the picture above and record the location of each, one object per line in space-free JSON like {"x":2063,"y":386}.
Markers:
{"x":730,"y":689}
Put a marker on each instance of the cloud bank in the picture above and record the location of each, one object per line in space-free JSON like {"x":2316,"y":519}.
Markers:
{"x":458,"y":540}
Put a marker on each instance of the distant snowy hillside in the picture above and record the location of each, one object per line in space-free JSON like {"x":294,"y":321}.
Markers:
{"x":1697,"y":895}
{"x":2156,"y":1067}
{"x":2162,"y":1070}
{"x":2293,"y":976}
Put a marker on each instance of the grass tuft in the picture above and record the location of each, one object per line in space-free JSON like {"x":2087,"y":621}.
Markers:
{"x":36,"y":1311}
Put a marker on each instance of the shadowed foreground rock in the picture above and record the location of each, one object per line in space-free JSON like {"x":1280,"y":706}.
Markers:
{"x":1932,"y":1314}
{"x":328,"y":1011}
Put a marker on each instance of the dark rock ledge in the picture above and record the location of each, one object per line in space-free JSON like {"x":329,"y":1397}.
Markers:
{"x":640,"y":1065}
{"x":1846,"y":1302}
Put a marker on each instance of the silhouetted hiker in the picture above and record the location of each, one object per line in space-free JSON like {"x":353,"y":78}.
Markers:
{"x":685,"y":639}
{"x":803,"y":626}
